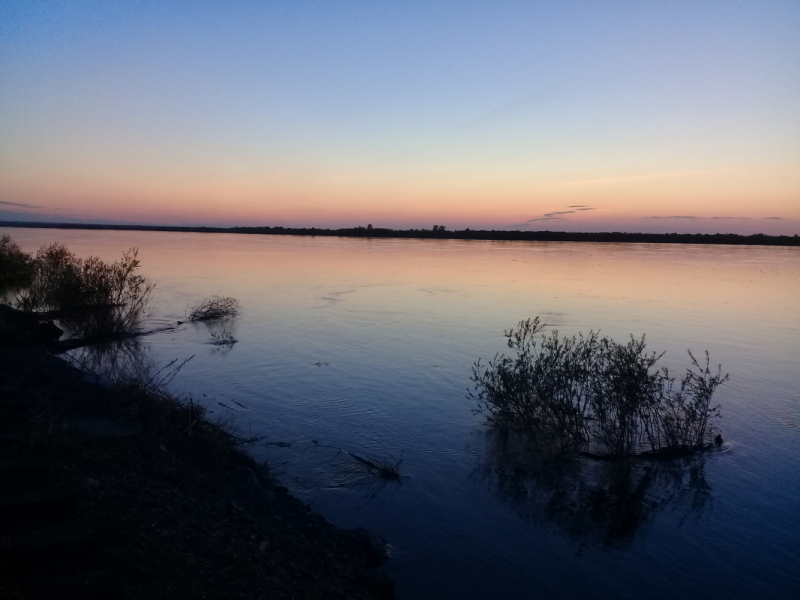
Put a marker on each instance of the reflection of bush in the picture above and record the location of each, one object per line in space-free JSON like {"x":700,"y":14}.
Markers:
{"x":595,"y":395}
{"x":593,"y":501}
{"x":90,"y":297}
{"x":120,"y":360}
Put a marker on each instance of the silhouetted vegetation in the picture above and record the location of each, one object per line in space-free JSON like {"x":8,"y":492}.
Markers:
{"x":384,"y":469}
{"x":596,"y":395}
{"x":141,"y":388}
{"x":618,"y":237}
{"x":89,"y":297}
{"x":223,"y":340}
{"x":183,"y":511}
{"x":215,"y":307}
{"x":369,"y":476}
{"x":16,"y":266}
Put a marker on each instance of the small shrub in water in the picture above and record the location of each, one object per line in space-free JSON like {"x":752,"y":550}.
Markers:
{"x":215,"y":307}
{"x":224,"y":338}
{"x":94,"y":298}
{"x":597,"y":395}
{"x":383,"y":469}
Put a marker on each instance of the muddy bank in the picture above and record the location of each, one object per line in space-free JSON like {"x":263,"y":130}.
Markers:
{"x":179,"y":509}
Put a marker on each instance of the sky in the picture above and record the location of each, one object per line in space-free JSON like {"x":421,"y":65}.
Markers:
{"x":570,"y":116}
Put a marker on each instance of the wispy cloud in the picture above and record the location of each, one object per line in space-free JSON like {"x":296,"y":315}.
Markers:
{"x":774,"y":218}
{"x":551,"y":216}
{"x":674,"y":217}
{"x":556,"y":215}
{"x":22,"y":204}
{"x":733,"y":218}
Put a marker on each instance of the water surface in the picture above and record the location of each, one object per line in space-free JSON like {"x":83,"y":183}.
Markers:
{"x":365,"y":346}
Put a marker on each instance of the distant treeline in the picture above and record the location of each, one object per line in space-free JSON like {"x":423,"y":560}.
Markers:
{"x":440,"y":232}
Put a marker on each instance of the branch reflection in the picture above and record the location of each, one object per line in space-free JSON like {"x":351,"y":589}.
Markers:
{"x":606,"y":502}
{"x":115,"y":361}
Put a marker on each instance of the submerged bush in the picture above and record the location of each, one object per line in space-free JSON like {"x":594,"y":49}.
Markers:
{"x":215,"y":307}
{"x":596,"y":395}
{"x":90,"y":297}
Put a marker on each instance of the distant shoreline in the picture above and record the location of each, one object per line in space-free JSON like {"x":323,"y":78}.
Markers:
{"x":758,"y":239}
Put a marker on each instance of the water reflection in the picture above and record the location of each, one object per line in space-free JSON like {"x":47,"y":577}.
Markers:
{"x":364,"y":481}
{"x":606,"y":502}
{"x":115,"y":361}
{"x":221,"y":334}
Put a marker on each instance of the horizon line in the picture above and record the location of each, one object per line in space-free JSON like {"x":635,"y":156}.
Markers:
{"x":361,"y":231}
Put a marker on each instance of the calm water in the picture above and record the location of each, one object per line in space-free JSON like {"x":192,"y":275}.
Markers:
{"x":367,"y":345}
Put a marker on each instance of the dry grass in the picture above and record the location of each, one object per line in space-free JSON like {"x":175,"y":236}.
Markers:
{"x":215,"y":307}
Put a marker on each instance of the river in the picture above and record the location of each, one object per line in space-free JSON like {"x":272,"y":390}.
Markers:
{"x":365,"y":346}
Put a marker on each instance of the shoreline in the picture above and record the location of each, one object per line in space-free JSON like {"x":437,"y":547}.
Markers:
{"x":758,"y":239}
{"x":178,"y":507}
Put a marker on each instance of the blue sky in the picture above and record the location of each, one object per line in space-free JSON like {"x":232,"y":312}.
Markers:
{"x":404,"y":114}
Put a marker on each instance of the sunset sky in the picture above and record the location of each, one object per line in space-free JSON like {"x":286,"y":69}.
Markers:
{"x":576,"y":116}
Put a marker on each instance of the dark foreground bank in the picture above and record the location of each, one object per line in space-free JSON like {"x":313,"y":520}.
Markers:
{"x":175,"y":507}
{"x":440,"y":232}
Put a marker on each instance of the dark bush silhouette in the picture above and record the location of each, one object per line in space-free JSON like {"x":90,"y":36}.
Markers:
{"x":16,"y":266}
{"x":90,"y":297}
{"x":215,"y":307}
{"x":595,"y":395}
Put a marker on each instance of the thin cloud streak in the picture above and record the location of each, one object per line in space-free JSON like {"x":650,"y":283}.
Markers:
{"x":555,"y":215}
{"x":22,"y":204}
{"x":529,"y":221}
